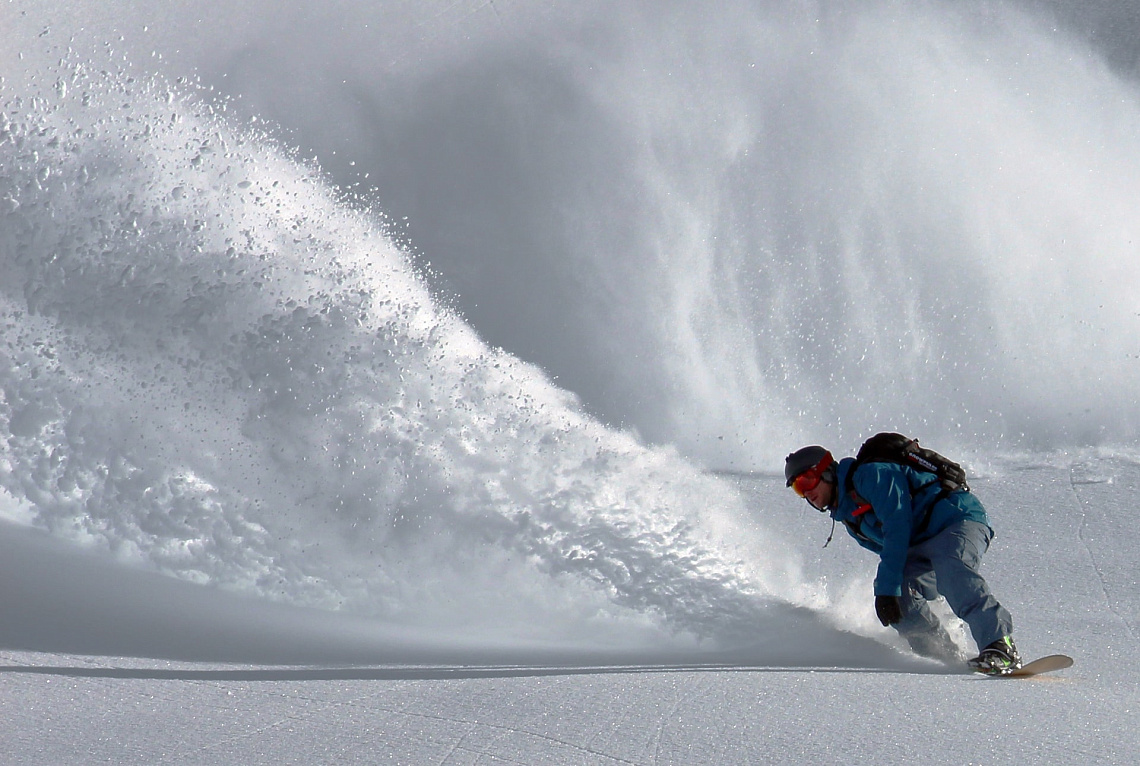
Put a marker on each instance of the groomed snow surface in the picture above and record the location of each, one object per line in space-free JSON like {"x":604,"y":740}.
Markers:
{"x":1063,"y":561}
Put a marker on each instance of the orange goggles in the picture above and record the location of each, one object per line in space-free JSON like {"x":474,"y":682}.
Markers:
{"x":807,"y":481}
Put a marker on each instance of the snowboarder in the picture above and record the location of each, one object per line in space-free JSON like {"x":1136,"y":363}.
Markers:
{"x":929,"y":543}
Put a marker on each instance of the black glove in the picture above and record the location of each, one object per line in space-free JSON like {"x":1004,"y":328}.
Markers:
{"x":888,"y":609}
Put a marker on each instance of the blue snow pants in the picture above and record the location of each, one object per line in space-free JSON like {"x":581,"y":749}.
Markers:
{"x":947,"y":565}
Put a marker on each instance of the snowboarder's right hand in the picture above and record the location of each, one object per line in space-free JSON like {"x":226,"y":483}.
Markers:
{"x":888,"y":609}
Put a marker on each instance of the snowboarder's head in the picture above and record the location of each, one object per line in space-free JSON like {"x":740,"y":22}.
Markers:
{"x":810,"y":472}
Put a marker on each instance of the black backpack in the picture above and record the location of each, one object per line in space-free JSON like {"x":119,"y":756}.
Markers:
{"x":896,"y":448}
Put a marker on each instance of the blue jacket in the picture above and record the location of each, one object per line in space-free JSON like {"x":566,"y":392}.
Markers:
{"x":897,"y":508}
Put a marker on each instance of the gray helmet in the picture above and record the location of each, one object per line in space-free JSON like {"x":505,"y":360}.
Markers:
{"x":804,"y":459}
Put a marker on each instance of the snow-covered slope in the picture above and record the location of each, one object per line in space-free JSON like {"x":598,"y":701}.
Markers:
{"x":415,"y":342}
{"x":1062,"y":561}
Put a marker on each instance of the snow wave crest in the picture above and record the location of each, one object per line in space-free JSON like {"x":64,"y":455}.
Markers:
{"x":214,"y":367}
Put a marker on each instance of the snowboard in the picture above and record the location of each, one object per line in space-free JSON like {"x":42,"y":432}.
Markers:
{"x":1037,"y":667}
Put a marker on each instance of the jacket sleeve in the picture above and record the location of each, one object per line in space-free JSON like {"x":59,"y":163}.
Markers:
{"x":885,"y":487}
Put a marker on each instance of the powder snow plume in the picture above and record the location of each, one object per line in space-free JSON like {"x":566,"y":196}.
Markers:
{"x":214,"y":367}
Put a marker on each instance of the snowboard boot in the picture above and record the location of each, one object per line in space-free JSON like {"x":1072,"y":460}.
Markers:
{"x":998,"y":659}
